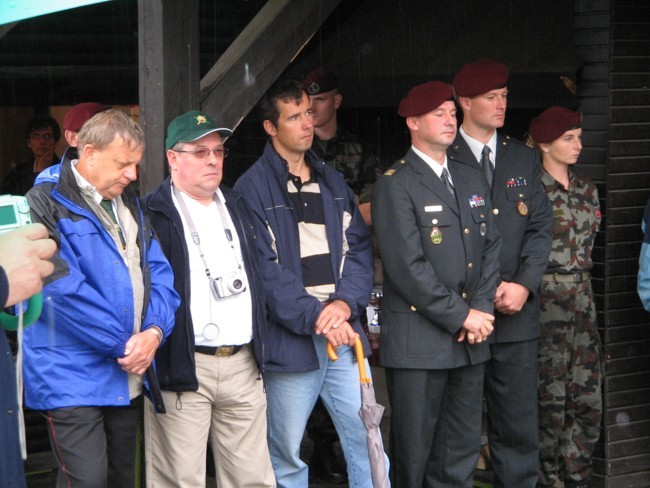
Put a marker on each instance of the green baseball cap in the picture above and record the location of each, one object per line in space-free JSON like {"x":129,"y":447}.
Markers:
{"x":192,"y":126}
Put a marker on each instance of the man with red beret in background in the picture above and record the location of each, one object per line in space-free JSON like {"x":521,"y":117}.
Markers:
{"x":523,"y":217}
{"x":434,"y":224}
{"x":338,"y":147}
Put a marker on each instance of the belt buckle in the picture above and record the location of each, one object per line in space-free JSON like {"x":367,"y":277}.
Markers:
{"x":225,"y":351}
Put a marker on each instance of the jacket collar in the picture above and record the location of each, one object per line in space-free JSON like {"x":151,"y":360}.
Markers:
{"x":280,"y":167}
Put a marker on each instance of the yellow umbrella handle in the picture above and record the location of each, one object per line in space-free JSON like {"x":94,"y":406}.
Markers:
{"x":361,"y":363}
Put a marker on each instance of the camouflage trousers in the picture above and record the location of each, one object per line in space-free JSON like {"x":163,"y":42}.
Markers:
{"x":570,"y":401}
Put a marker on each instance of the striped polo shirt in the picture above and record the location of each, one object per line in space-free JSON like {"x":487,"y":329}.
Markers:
{"x":317,"y":275}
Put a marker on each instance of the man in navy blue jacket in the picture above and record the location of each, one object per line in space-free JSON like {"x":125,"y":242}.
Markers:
{"x":209,"y":368}
{"x":317,"y":266}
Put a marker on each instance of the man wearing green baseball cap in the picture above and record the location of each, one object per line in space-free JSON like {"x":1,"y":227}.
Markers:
{"x":208,"y":368}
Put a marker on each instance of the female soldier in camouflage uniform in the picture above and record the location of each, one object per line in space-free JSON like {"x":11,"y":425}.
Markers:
{"x":570,"y":403}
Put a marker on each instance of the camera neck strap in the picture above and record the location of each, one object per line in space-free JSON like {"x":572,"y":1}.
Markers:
{"x":195,"y":234}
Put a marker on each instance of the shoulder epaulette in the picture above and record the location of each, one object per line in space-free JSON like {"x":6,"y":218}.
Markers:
{"x":397,"y":165}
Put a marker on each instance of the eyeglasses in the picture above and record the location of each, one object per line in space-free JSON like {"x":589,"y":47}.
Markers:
{"x":38,"y":135}
{"x":203,"y":153}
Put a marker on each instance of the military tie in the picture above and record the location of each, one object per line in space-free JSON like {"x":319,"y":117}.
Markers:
{"x":108,"y":206}
{"x":446,"y":181}
{"x":488,"y":170}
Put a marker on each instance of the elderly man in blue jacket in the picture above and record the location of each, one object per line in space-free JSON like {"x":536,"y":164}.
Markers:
{"x":108,"y":306}
{"x":317,"y":267}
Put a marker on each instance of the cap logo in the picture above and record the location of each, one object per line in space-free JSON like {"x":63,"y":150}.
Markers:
{"x":313,"y":89}
{"x":200,"y":119}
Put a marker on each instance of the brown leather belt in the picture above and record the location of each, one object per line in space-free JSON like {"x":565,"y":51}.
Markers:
{"x":219,"y":351}
{"x":578,"y":277}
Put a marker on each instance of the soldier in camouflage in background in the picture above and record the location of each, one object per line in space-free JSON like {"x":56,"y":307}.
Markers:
{"x":570,"y":402}
{"x":351,"y":157}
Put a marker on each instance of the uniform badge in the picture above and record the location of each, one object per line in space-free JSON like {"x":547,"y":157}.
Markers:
{"x":436,"y":235}
{"x":389,"y":172}
{"x":476,"y":201}
{"x":482,"y":229}
{"x":522,"y":208}
{"x":517,"y":182}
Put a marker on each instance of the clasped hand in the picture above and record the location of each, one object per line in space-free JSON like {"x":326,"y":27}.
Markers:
{"x":477,"y":327}
{"x":333,"y":324}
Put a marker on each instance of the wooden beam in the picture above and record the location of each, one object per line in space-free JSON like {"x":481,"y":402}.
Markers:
{"x":168,"y":52}
{"x":6,"y":28}
{"x":259,"y":55}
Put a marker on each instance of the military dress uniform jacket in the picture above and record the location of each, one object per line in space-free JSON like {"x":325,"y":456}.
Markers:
{"x":440,"y":256}
{"x":524,"y":218}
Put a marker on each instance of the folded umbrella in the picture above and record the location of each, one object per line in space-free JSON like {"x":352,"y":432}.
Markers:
{"x":370,"y":413}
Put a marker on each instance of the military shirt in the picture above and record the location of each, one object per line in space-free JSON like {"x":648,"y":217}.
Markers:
{"x":576,"y":218}
{"x":353,"y":158}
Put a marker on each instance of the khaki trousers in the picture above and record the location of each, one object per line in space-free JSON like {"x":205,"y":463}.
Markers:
{"x":229,"y":408}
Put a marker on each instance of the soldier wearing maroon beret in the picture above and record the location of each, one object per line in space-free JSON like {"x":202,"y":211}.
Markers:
{"x":355,"y":159}
{"x":434,"y":224}
{"x":523,"y":217}
{"x":570,"y":399}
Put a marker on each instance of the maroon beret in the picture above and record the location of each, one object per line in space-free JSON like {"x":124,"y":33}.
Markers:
{"x":80,"y":113}
{"x":480,"y":77}
{"x":424,"y":98}
{"x":320,"y":80}
{"x":552,"y":123}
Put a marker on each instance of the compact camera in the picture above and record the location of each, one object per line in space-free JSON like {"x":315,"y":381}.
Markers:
{"x":14,"y":212}
{"x":226,"y":286}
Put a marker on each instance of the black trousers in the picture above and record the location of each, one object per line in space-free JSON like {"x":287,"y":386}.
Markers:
{"x":95,"y":447}
{"x":512,"y":408}
{"x":435,"y":432}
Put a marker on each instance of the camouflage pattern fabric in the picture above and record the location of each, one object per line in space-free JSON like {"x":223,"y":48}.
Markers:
{"x":352,"y":158}
{"x":570,"y":401}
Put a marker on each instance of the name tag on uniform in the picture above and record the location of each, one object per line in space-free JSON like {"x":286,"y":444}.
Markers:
{"x":433,"y":208}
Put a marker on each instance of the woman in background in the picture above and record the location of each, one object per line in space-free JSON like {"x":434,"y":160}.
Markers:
{"x":570,"y":402}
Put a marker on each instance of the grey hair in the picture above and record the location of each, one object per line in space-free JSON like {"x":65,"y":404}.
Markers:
{"x":102,"y":128}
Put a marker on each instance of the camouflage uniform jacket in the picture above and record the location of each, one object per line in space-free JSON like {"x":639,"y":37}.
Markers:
{"x":353,"y":158}
{"x":576,"y":213}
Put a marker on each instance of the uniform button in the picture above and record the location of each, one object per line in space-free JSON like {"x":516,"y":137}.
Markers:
{"x":413,"y":309}
{"x":434,"y":221}
{"x":470,"y":265}
{"x":521,"y":195}
{"x":482,"y":216}
{"x":495,"y":211}
{"x":466,"y":231}
{"x":464,"y":295}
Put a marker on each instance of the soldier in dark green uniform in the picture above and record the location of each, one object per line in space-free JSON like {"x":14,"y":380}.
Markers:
{"x":570,"y":402}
